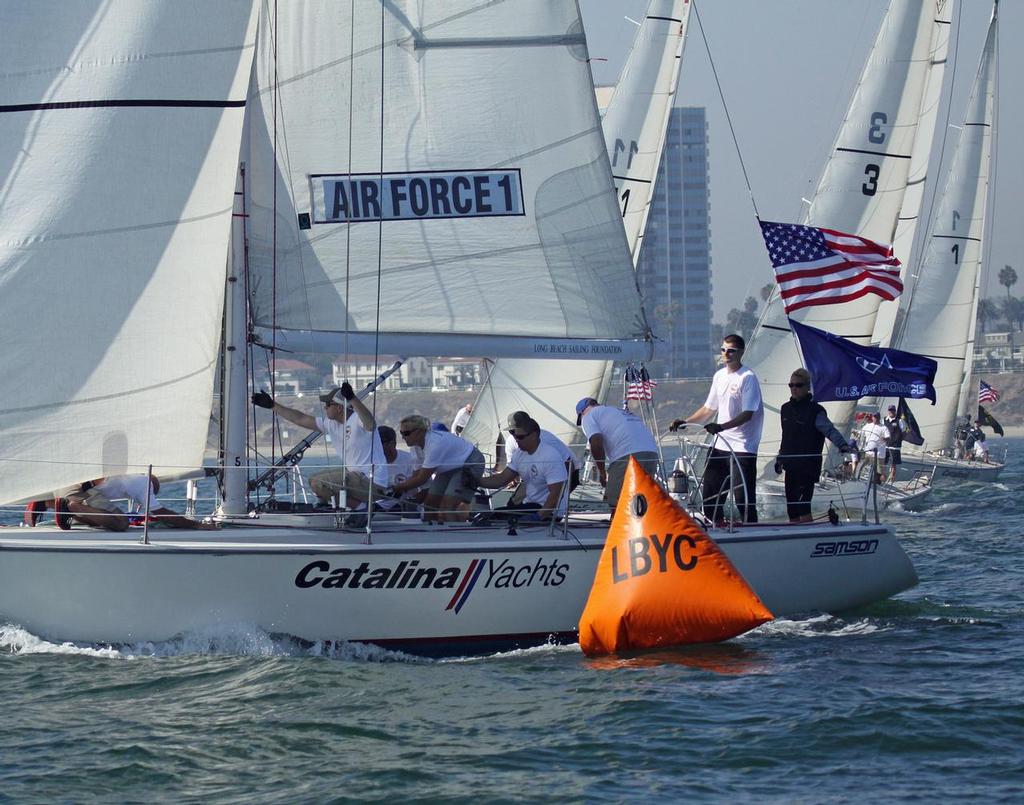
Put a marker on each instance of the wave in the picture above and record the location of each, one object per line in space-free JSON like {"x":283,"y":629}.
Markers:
{"x":817,"y":626}
{"x":238,"y":640}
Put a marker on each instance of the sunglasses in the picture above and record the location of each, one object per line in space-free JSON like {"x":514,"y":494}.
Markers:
{"x":797,"y":385}
{"x":407,"y":432}
{"x":517,"y":436}
{"x":729,"y":350}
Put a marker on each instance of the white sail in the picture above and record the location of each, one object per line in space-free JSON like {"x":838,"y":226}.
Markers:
{"x":120,"y":126}
{"x":446,"y":158}
{"x":910,"y":212}
{"x":861,"y":192}
{"x":940,"y":317}
{"x":634,"y":125}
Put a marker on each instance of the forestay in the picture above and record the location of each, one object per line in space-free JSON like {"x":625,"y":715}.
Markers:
{"x":861,"y":191}
{"x":634,"y":126}
{"x":944,"y":305}
{"x":440,"y":178}
{"x":120,"y":125}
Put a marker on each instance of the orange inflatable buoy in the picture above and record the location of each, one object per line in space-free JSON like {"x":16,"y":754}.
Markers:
{"x":661,"y":580}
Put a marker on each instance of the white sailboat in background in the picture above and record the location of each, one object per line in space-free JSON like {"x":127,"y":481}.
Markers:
{"x":634,"y":124}
{"x":940,"y":318}
{"x":403,"y":170}
{"x":862,"y":191}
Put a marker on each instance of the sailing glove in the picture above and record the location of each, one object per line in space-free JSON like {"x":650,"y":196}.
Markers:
{"x":713,"y":427}
{"x":677,"y":424}
{"x":346,"y":391}
{"x":778,"y":466}
{"x":262,"y":399}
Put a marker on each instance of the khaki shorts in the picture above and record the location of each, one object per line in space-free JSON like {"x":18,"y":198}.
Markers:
{"x":462,"y":482}
{"x":617,"y":473}
{"x":93,"y":498}
{"x":328,"y":483}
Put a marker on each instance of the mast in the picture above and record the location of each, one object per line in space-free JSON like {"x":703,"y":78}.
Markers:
{"x":235,"y":391}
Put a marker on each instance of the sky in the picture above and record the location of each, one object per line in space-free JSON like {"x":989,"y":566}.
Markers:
{"x":788,"y":70}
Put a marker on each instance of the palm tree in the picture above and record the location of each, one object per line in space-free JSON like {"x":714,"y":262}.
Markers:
{"x":1013,"y":311}
{"x":987,"y":311}
{"x":1007,"y":277}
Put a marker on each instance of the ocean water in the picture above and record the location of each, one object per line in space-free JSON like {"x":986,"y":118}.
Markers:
{"x":918,"y":698}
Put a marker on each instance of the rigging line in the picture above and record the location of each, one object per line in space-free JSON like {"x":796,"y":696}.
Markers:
{"x":380,"y":266}
{"x":917,"y":247}
{"x":273,"y":250}
{"x":725,"y":108}
{"x":250,"y":410}
{"x":348,"y":225}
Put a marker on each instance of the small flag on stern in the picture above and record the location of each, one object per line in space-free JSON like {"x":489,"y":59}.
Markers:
{"x":661,"y":580}
{"x":912,"y":434}
{"x":816,"y":266}
{"x":639,"y":385}
{"x":986,"y":419}
{"x":987,"y":394}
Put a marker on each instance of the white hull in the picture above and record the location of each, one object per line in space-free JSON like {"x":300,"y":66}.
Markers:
{"x":481,"y":589}
{"x":846,"y":496}
{"x":951,"y":468}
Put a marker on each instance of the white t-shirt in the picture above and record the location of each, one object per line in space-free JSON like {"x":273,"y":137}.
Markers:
{"x":359,"y":444}
{"x":731,"y":394}
{"x":402,"y":468}
{"x":132,"y":487}
{"x":461,"y":419}
{"x":543,"y":466}
{"x":512,"y":447}
{"x":873,"y":437}
{"x":623,"y":433}
{"x":445,"y":451}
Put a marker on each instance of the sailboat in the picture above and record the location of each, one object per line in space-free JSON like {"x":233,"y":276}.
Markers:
{"x":634,"y":124}
{"x":355,"y":175}
{"x":942,"y":311}
{"x":862,"y":191}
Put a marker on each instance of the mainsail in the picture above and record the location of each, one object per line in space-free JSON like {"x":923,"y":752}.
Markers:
{"x":120,"y":126}
{"x":440,"y":184}
{"x":944,"y":306}
{"x":634,"y":126}
{"x":861,"y":191}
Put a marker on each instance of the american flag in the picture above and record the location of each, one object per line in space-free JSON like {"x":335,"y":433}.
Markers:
{"x":987,"y":394}
{"x":823,"y":267}
{"x":639,"y":385}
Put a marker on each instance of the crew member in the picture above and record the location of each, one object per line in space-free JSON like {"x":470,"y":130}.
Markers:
{"x":455,"y":464}
{"x":614,"y":435}
{"x":735,"y":396}
{"x":542,"y":467}
{"x":805,"y":426}
{"x":353,"y":433}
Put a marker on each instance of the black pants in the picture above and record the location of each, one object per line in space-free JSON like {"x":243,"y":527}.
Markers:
{"x":800,"y":482}
{"x":716,"y":485}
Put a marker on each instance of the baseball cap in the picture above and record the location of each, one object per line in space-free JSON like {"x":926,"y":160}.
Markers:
{"x":518,"y":419}
{"x":892,"y":407}
{"x":329,"y":396}
{"x":582,"y":406}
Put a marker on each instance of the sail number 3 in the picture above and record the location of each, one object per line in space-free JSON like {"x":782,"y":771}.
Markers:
{"x":351,"y":198}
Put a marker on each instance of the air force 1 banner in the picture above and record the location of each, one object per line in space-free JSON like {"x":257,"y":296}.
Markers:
{"x":842,"y":370}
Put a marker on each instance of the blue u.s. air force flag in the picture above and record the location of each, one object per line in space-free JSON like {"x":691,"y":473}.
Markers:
{"x":842,"y":370}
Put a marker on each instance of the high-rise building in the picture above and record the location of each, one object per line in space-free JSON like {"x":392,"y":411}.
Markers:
{"x":674,"y":270}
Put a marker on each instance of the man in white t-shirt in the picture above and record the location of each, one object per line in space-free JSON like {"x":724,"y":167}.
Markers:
{"x":461,"y":419}
{"x":353,"y":433}
{"x":614,"y":435}
{"x":543,"y":470}
{"x":873,"y":438}
{"x":401,"y":465}
{"x":735,"y":402}
{"x":517,"y":421}
{"x":92,"y":503}
{"x":455,"y":464}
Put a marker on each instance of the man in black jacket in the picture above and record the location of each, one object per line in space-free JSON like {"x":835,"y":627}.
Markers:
{"x":805,"y":426}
